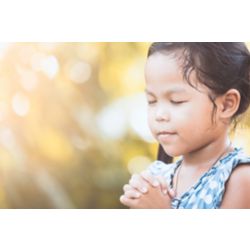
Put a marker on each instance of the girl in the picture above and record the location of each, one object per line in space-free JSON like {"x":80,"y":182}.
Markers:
{"x":195,"y":91}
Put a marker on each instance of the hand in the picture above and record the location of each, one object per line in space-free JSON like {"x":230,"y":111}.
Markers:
{"x":140,"y":184}
{"x":154,"y":198}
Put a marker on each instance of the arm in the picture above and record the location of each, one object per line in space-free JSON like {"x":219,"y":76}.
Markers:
{"x":237,"y":192}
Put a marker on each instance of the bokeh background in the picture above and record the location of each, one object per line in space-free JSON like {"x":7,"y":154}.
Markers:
{"x":73,"y":124}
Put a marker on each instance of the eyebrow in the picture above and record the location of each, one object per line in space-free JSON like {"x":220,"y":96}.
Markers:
{"x":168,"y":92}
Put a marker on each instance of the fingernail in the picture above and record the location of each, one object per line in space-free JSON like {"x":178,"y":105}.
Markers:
{"x":165,"y":191}
{"x":144,"y":189}
{"x":156,"y":183}
{"x":172,"y":192}
{"x":138,"y":195}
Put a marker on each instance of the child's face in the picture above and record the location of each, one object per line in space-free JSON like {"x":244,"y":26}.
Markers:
{"x":177,"y":108}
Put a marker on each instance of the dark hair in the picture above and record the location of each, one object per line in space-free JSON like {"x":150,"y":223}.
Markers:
{"x":219,"y":66}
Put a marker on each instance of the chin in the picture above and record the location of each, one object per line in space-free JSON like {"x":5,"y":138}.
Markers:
{"x":172,"y":151}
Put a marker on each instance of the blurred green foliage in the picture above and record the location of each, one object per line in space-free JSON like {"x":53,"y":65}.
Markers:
{"x":54,"y":152}
{"x":72,"y":123}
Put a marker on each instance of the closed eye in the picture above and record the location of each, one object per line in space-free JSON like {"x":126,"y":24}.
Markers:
{"x":151,"y":102}
{"x":177,"y":102}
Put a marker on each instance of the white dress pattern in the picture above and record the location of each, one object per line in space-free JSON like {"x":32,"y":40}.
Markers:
{"x":209,"y":190}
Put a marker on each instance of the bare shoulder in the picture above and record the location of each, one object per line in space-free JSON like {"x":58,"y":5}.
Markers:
{"x":237,"y":190}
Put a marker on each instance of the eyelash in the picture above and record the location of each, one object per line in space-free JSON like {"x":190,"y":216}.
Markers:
{"x":151,"y":102}
{"x":173,"y":102}
{"x":176,"y":103}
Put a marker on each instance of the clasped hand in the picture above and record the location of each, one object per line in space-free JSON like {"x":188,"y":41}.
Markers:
{"x":147,"y":191}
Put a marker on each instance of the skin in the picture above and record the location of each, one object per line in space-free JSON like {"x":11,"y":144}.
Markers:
{"x":186,"y":112}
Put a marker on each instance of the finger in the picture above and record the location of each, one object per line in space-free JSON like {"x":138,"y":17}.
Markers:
{"x":126,"y":201}
{"x":163,"y":184}
{"x":138,"y":183}
{"x":171,"y":193}
{"x":165,"y":187}
{"x":132,"y":194}
{"x":150,"y":178}
{"x":127,"y":187}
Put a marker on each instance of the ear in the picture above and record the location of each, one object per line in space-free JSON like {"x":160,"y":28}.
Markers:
{"x":229,"y":103}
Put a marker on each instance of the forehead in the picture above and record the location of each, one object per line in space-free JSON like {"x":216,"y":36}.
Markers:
{"x":164,"y":71}
{"x":160,"y":65}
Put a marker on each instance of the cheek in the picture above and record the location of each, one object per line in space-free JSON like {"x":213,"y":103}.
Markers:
{"x":151,"y":118}
{"x":193,"y":118}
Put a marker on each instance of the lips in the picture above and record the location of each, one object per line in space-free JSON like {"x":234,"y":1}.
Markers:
{"x":165,"y":133}
{"x":165,"y":136}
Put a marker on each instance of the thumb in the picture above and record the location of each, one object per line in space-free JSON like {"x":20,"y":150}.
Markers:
{"x":171,"y":193}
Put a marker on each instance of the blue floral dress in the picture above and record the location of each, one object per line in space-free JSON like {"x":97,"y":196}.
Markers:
{"x":209,"y":190}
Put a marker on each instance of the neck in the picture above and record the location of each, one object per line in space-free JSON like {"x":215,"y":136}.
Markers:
{"x":207,"y":154}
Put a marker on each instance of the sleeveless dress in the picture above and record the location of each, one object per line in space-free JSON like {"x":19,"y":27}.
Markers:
{"x":209,"y":190}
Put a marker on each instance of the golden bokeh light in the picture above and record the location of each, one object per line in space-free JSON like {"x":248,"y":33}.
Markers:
{"x":73,"y":123}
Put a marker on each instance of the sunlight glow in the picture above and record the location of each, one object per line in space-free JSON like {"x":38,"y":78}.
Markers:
{"x":80,"y":72}
{"x":50,"y":66}
{"x":28,"y":79}
{"x":112,"y":121}
{"x":138,"y":118}
{"x":20,"y":104}
{"x":3,"y":48}
{"x":138,"y":164}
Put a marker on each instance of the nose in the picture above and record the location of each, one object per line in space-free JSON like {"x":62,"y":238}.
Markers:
{"x":162,"y":114}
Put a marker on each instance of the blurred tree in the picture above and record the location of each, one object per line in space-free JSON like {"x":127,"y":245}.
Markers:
{"x":73,"y":123}
{"x":54,"y":153}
